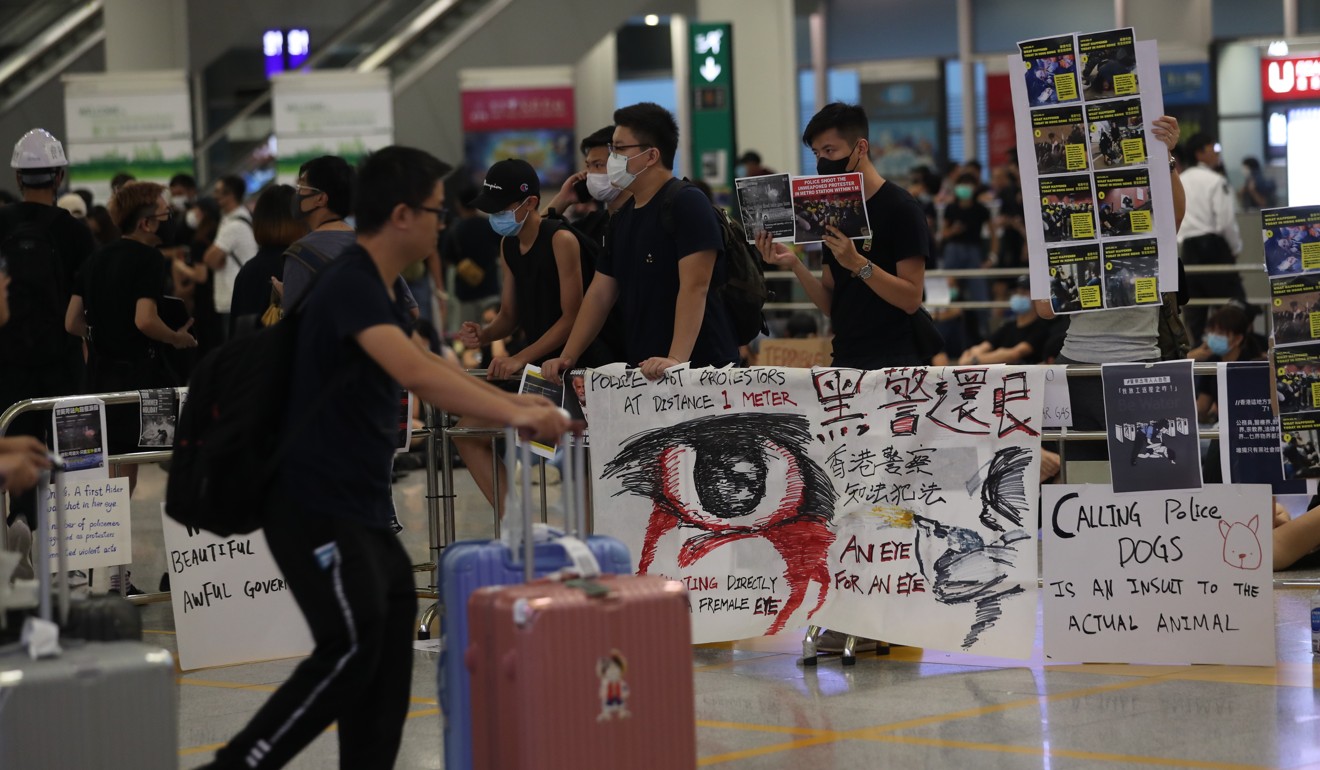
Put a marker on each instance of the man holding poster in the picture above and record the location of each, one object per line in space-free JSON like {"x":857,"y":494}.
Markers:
{"x":872,"y":310}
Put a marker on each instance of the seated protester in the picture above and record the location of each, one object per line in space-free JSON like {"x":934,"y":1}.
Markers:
{"x":544,"y":275}
{"x":275,"y":229}
{"x":1228,"y":337}
{"x":115,"y":305}
{"x":592,"y":184}
{"x":1020,"y":340}
{"x":660,"y":277}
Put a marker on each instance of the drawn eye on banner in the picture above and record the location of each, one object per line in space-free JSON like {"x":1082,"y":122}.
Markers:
{"x":896,"y":504}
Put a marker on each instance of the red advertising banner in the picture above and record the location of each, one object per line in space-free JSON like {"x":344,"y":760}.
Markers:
{"x":1290,"y":79}
{"x":517,"y":108}
{"x":999,"y":118}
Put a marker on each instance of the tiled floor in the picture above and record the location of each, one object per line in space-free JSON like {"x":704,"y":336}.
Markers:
{"x":756,"y":708}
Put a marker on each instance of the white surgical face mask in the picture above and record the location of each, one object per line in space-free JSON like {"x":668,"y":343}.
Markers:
{"x":600,"y":188}
{"x":616,"y":167}
{"x":179,"y":202}
{"x":192,"y":219}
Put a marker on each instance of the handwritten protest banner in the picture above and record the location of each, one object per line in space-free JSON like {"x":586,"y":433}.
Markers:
{"x":1159,"y":577}
{"x":897,"y":504}
{"x":98,"y":528}
{"x":231,"y":604}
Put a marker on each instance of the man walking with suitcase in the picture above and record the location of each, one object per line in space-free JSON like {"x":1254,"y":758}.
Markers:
{"x":331,"y":535}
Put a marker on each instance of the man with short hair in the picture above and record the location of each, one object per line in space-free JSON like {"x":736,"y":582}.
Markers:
{"x":330,"y":534}
{"x":870,"y":289}
{"x":1209,"y":234}
{"x":44,"y":247}
{"x":660,"y":273}
{"x":595,"y":182}
{"x":234,"y":245}
{"x":750,"y":165}
{"x":323,"y":198}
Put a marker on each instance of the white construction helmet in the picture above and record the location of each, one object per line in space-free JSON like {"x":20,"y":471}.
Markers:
{"x":38,"y":149}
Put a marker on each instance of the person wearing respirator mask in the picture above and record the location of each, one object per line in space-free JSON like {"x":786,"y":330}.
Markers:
{"x":591,"y":184}
{"x":658,"y":275}
{"x":1020,"y":340}
{"x":545,"y":275}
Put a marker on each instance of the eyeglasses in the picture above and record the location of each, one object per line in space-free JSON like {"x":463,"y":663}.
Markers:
{"x":440,"y":213}
{"x":616,"y":147}
{"x":309,"y":188}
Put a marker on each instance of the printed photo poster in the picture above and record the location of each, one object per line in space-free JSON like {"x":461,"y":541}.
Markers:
{"x":1105,"y":137}
{"x":80,"y":437}
{"x":1109,"y":64}
{"x":1150,"y":414}
{"x":835,"y":200}
{"x":1075,"y":278}
{"x":1158,"y":577}
{"x":1060,"y":139}
{"x":158,"y":412}
{"x":1292,"y":239}
{"x":896,"y":504}
{"x":1300,"y":436}
{"x":1050,"y":65}
{"x":766,"y":205}
{"x":535,"y":382}
{"x":1117,"y":133}
{"x":1249,"y":439}
{"x":1296,"y":308}
{"x":1067,"y":208}
{"x":1131,"y":270}
{"x":1124,"y":202}
{"x":575,"y":401}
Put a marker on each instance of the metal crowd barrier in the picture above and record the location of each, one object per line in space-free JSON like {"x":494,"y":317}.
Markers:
{"x":163,"y":455}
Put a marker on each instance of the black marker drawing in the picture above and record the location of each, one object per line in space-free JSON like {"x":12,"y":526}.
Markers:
{"x":971,"y":571}
{"x":1005,"y":490}
{"x":731,"y":459}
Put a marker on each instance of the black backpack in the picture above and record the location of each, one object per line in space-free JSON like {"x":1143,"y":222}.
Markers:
{"x":743,"y":292}
{"x":608,"y":346}
{"x":39,"y":293}
{"x":228,"y":442}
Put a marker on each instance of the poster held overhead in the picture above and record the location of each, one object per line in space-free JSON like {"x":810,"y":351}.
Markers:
{"x":1150,"y":414}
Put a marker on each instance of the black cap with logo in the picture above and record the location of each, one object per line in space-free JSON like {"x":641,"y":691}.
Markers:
{"x":507,"y":182}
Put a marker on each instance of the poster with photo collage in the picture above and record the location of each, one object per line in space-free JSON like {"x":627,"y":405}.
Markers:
{"x":1291,"y":238}
{"x":1096,"y":187}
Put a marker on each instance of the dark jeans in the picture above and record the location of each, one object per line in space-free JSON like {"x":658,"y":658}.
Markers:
{"x":354,"y":584}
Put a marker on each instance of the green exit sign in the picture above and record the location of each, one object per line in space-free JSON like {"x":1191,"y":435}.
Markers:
{"x":710,"y":80}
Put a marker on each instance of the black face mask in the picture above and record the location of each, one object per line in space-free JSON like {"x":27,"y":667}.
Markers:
{"x":296,"y":205}
{"x":583,"y":194}
{"x":825,"y":166}
{"x":167,"y":230}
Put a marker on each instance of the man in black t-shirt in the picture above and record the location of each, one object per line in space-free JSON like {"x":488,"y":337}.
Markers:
{"x":658,"y":265}
{"x":964,"y":249}
{"x":1020,"y":340}
{"x":473,"y":250}
{"x":44,"y":247}
{"x":331,"y":535}
{"x":870,"y":289}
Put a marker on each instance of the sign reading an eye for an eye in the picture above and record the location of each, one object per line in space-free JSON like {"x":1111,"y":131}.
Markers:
{"x":1159,"y":577}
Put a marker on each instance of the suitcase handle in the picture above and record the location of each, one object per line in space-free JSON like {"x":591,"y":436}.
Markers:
{"x":41,"y":539}
{"x":583,"y":561}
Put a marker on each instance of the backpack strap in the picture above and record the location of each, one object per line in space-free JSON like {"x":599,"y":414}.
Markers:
{"x":231,"y":254}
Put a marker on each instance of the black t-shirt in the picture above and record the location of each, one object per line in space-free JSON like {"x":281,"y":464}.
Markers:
{"x":111,"y":283}
{"x":643,"y":257}
{"x":536,"y":284}
{"x":1010,"y":335}
{"x":473,"y":239}
{"x":252,"y":284}
{"x":40,"y":357}
{"x":340,"y":458}
{"x":973,"y":218}
{"x":867,"y":327}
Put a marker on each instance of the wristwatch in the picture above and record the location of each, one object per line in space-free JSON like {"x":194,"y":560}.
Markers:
{"x":866,"y":270}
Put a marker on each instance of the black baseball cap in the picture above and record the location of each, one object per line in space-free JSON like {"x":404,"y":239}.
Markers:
{"x":507,"y":182}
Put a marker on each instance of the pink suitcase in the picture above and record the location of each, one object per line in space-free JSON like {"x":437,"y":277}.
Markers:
{"x":583,"y":674}
{"x":565,"y":679}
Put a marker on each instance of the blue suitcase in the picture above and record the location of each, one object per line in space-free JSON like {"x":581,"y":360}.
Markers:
{"x":471,"y":564}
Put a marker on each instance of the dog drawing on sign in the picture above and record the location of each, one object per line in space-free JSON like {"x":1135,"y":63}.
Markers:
{"x":970,"y":570}
{"x":752,"y":479}
{"x":1241,"y":545}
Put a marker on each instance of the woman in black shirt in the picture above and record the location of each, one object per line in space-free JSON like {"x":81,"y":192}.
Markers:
{"x":275,"y":229}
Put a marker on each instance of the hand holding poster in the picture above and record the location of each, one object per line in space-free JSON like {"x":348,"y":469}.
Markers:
{"x":893,"y":504}
{"x":1157,"y":577}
